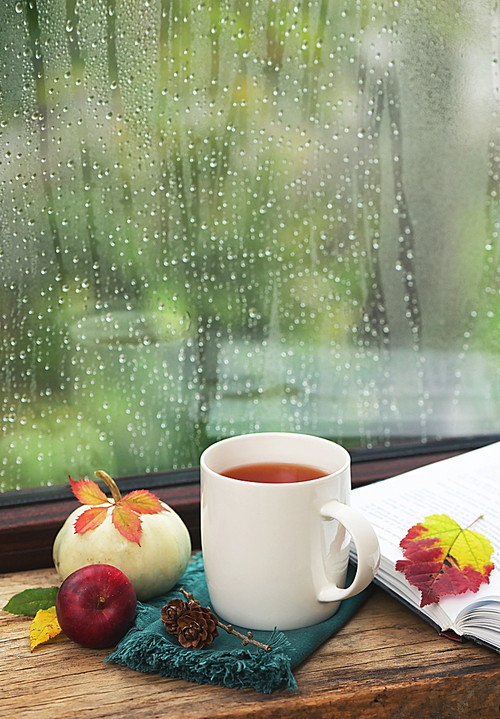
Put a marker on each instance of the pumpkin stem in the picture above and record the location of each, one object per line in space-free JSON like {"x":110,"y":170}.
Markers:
{"x":110,"y":482}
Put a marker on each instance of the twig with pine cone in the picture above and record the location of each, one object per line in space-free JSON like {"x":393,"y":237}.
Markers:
{"x":196,"y":626}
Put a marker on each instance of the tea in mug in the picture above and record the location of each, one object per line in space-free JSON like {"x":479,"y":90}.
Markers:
{"x":274,"y":473}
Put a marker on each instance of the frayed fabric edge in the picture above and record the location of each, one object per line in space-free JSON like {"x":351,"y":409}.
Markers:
{"x":235,"y":669}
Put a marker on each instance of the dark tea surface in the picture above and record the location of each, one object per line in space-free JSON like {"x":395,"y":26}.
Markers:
{"x":274,"y":473}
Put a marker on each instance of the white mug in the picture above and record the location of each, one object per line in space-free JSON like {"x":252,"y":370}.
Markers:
{"x":276,"y":555}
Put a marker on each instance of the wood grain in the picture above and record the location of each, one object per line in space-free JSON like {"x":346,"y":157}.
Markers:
{"x":385,"y":663}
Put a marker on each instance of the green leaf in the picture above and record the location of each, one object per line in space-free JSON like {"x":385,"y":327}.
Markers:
{"x":30,"y":601}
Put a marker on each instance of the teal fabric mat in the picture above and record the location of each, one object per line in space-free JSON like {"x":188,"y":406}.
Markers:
{"x":149,"y":648}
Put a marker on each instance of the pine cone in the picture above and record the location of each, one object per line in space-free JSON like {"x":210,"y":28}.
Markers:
{"x":197,"y":627}
{"x":170,"y":614}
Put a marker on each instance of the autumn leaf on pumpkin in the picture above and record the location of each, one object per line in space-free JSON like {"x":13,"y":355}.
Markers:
{"x":443,"y":559}
{"x":88,"y":492}
{"x":142,"y":502}
{"x":91,"y":518}
{"x":127,"y":522}
{"x":125,"y":511}
{"x":44,"y":627}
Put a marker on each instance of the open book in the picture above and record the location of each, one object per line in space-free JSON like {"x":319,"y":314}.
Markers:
{"x":464,"y":488}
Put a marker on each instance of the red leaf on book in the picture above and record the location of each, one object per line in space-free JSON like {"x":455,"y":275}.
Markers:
{"x":441,"y":558}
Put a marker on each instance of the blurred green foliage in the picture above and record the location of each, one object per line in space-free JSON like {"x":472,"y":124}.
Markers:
{"x":214,"y":171}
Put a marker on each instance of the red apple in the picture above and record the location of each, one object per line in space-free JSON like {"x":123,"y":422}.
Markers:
{"x":96,"y":606}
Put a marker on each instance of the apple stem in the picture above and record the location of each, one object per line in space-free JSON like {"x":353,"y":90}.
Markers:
{"x":109,"y":482}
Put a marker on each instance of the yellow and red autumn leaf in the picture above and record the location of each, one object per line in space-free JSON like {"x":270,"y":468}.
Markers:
{"x":142,"y":502}
{"x":125,"y":513}
{"x":88,"y":492}
{"x":91,"y":519}
{"x":127,"y":522}
{"x":443,"y":559}
{"x":44,"y":627}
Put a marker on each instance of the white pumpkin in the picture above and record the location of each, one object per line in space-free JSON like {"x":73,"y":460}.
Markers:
{"x":153,"y":567}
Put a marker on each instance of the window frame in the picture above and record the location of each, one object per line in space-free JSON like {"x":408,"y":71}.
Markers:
{"x":30,"y":519}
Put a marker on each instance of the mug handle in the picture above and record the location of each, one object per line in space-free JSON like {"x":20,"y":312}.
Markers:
{"x":367,"y":547}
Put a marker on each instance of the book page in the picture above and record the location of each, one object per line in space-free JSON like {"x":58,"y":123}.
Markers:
{"x":465,"y":488}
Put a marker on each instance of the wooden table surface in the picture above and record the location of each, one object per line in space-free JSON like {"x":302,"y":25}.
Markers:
{"x":386,"y":662}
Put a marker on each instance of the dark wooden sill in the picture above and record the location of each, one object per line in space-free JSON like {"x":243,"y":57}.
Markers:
{"x":27,"y":531}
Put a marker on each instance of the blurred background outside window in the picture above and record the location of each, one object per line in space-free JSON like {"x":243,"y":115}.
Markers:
{"x":226,"y":216}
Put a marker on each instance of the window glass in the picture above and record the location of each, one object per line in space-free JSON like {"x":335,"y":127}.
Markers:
{"x":224,"y":216}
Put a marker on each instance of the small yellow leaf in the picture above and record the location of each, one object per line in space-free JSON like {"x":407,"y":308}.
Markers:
{"x":44,"y":627}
